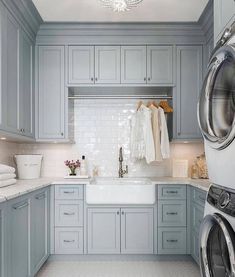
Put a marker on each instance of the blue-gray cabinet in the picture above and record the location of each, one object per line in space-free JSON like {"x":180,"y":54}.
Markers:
{"x":107,"y":64}
{"x":224,"y":15}
{"x":172,"y":219}
{"x":19,"y":237}
{"x":51,"y":93}
{"x":81,"y":68}
{"x":137,"y":230}
{"x":26,"y":86}
{"x":120,"y":230}
{"x":40,"y":222}
{"x":160,"y":64}
{"x":68,"y":219}
{"x":17,"y":75}
{"x":133,"y":64}
{"x":3,"y":241}
{"x":198,"y":198}
{"x":189,"y":81}
{"x":103,"y":234}
{"x":172,"y":240}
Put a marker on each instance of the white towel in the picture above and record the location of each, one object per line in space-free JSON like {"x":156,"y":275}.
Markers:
{"x":7,"y":176}
{"x":7,"y":182}
{"x":6,"y":169}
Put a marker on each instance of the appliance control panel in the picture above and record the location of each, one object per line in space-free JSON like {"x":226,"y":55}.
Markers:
{"x":222,"y":198}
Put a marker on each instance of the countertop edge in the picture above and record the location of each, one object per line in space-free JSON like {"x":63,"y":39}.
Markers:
{"x":11,"y":192}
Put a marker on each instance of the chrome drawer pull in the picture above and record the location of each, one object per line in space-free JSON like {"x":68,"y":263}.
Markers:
{"x":172,"y":191}
{"x":172,"y":240}
{"x":21,"y":206}
{"x":173,"y":213}
{"x":40,"y":196}
{"x":67,"y":192}
{"x":69,"y":213}
{"x":69,"y":241}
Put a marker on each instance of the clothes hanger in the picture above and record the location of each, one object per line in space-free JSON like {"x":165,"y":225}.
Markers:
{"x":155,"y":104}
{"x":165,"y":106}
{"x":139,"y":105}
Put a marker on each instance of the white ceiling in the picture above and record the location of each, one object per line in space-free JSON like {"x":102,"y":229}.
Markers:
{"x":147,"y":11}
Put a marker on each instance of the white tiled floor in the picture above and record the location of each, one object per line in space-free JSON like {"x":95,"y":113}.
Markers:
{"x":120,"y":269}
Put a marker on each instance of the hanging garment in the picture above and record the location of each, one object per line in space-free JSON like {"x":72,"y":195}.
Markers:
{"x":142,"y":143}
{"x":156,"y":132}
{"x":165,"y":144}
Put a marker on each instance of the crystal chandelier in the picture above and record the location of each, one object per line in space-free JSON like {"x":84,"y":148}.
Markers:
{"x":120,"y":5}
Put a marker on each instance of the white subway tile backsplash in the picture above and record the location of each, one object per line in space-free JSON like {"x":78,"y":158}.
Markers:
{"x":99,"y":128}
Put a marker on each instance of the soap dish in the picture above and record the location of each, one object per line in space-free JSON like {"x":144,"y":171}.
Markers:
{"x":76,"y":177}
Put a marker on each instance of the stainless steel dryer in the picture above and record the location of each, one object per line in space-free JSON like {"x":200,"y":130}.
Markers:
{"x":216,"y":111}
{"x":217,"y":237}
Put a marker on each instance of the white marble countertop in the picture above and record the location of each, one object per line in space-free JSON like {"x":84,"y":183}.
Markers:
{"x":26,"y":186}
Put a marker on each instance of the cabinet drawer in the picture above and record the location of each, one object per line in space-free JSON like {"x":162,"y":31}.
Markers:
{"x":197,"y":214}
{"x":68,"y":213}
{"x":198,"y":196}
{"x":195,"y":247}
{"x":68,"y":240}
{"x":172,"y":213}
{"x":172,"y":240}
{"x":69,"y":192}
{"x":171,"y":192}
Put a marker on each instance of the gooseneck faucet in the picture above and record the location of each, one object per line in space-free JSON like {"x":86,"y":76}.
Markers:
{"x":121,"y":171}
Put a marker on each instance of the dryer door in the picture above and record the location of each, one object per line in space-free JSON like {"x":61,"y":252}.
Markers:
{"x":217,"y":257}
{"x":216,"y":108}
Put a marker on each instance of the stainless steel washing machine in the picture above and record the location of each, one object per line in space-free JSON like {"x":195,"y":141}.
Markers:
{"x":217,"y":236}
{"x":216,"y":111}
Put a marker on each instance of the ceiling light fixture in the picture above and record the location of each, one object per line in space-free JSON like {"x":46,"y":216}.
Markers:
{"x":120,"y":5}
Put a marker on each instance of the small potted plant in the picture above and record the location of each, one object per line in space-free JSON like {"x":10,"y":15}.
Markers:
{"x":72,"y":165}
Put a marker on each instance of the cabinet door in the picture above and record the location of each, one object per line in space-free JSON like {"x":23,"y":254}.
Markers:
{"x":3,"y":241}
{"x":103,"y":231}
{"x":224,"y":13}
{"x":10,"y":80}
{"x":133,"y":64}
{"x":195,"y":247}
{"x":19,"y":233}
{"x":137,"y":231}
{"x":81,"y":65}
{"x":26,"y":85}
{"x":51,"y":92}
{"x":107,"y":64}
{"x":160,"y":64}
{"x":189,"y":81}
{"x":40,"y":229}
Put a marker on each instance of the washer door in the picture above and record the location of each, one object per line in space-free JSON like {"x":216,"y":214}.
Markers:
{"x":216,"y":108}
{"x":217,"y":258}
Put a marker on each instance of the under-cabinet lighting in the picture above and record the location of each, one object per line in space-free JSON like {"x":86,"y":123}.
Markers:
{"x":3,"y":138}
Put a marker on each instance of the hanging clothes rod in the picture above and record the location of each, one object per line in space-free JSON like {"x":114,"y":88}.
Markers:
{"x":120,"y":97}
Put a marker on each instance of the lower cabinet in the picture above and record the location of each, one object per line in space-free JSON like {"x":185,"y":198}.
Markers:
{"x":172,"y":240}
{"x":198,"y":198}
{"x":39,"y":229}
{"x":115,"y":230}
{"x":103,"y":230}
{"x":19,"y":237}
{"x":27,"y":236}
{"x":3,"y":242}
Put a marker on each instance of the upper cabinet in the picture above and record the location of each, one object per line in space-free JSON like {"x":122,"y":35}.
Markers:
{"x":107,"y":64}
{"x":51,"y":93}
{"x":224,"y":15}
{"x":160,"y":64}
{"x":133,"y":65}
{"x":139,"y":64}
{"x":81,"y":65}
{"x":17,"y":78}
{"x":189,"y":81}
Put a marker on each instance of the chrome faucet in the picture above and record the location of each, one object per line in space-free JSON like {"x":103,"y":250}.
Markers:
{"x":121,"y":171}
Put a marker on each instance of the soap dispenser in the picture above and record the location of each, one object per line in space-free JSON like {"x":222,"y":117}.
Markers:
{"x":83,"y":166}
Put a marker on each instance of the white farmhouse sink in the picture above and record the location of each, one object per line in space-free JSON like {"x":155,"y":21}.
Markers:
{"x":120,"y":191}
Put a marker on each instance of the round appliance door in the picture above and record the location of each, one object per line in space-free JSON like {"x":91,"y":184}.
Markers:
{"x":217,"y":258}
{"x":216,"y":108}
